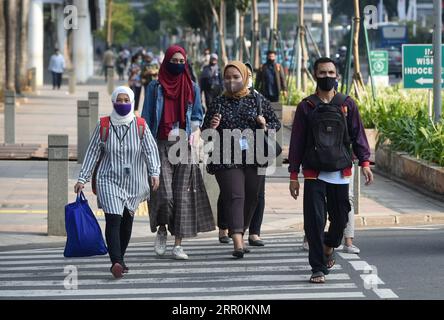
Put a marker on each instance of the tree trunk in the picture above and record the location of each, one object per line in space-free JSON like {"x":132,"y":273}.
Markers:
{"x":11,"y":45}
{"x":241,"y":35}
{"x":21,"y":80}
{"x":357,"y":76}
{"x":255,"y":41}
{"x":303,"y":46}
{"x":109,"y":30}
{"x":220,"y":22}
{"x":2,"y":51}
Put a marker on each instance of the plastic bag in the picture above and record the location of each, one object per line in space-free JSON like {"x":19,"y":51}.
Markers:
{"x":84,"y":237}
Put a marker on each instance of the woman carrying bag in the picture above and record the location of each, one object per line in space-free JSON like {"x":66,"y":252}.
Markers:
{"x":124,"y":150}
{"x":239,"y":181}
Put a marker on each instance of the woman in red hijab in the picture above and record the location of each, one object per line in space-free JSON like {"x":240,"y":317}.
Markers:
{"x":172,"y":106}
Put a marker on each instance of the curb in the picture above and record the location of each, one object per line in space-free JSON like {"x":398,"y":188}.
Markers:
{"x":363,"y":222}
{"x":406,"y":184}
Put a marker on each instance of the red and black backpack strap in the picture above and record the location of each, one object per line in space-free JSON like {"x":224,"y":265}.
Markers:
{"x":141,"y":123}
{"x":104,"y":128}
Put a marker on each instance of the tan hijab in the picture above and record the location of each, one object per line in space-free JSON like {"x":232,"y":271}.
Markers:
{"x":243,"y":69}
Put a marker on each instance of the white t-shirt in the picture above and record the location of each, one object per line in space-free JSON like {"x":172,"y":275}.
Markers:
{"x":334,"y":177}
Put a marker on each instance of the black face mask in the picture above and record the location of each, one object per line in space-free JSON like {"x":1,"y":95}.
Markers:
{"x":327,"y":83}
{"x":175,"y":68}
{"x":270,"y":61}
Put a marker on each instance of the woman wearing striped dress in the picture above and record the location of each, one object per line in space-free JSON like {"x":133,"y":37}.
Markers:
{"x":129,"y":156}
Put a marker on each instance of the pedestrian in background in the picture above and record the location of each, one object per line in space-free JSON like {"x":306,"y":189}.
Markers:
{"x":238,"y":182}
{"x":325,"y":156}
{"x":150,"y":69}
{"x":135,"y":79}
{"x":172,"y":104}
{"x":211,"y":82}
{"x":127,"y":157}
{"x":270,"y":79}
{"x":108,"y":61}
{"x":56,"y":66}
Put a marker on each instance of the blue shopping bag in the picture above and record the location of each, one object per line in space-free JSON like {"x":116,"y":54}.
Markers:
{"x":84,"y":237}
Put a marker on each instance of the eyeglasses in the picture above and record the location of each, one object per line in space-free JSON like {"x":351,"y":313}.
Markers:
{"x":177,"y":61}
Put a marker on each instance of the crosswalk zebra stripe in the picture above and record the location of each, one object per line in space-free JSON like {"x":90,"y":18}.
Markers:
{"x":181,"y":270}
{"x":209,"y":246}
{"x":385,"y":293}
{"x":155,"y":263}
{"x":280,"y":270}
{"x":142,"y":250}
{"x":277,"y":296}
{"x":153,"y":291}
{"x":265,"y":296}
{"x":165,"y":280}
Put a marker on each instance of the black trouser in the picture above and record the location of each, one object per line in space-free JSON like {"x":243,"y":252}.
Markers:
{"x":118,"y":233}
{"x":320,"y":197}
{"x":137,"y":92}
{"x":56,"y":79}
{"x":256,"y":221}
{"x":221,"y":220}
{"x":258,"y":215}
{"x":239,"y":190}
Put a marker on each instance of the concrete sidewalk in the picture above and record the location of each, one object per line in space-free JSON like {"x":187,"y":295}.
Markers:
{"x":23,"y":198}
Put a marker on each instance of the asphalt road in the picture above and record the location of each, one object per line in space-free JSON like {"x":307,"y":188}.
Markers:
{"x":409,"y":260}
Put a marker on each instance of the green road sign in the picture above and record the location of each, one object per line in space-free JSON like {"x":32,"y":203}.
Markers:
{"x":417,"y":66}
{"x":379,"y":62}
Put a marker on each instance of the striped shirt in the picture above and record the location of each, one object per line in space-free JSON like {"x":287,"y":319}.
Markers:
{"x":122,"y":176}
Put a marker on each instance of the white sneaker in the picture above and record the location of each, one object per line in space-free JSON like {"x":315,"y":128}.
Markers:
{"x":351,"y":249}
{"x":160,"y":243}
{"x":179,"y":254}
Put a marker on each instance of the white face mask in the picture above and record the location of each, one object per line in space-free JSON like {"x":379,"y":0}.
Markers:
{"x":250,"y":83}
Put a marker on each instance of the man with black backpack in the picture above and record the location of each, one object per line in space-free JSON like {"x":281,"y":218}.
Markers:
{"x":327,"y":130}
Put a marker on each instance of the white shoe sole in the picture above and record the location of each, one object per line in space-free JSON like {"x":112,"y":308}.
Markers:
{"x":180,"y":258}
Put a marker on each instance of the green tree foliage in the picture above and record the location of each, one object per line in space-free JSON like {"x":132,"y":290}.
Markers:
{"x":123,"y":23}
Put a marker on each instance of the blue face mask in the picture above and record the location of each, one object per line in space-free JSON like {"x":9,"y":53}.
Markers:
{"x":175,"y":68}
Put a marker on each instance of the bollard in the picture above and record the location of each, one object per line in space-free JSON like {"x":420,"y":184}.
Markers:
{"x":93,"y":98}
{"x":110,"y":79}
{"x":9,"y":116}
{"x":82,"y":129}
{"x":57,"y":183}
{"x":277,"y":107}
{"x":72,"y":81}
{"x":356,"y":185}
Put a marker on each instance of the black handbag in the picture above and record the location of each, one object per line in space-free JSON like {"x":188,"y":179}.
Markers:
{"x":273,"y":148}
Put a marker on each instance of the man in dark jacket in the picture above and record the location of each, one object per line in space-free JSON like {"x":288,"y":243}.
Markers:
{"x":270,"y":79}
{"x":211,"y":82}
{"x":325,"y":191}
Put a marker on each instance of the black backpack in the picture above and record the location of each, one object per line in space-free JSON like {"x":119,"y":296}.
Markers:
{"x":328,"y":145}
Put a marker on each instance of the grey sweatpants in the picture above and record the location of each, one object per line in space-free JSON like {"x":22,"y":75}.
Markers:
{"x":349,"y":231}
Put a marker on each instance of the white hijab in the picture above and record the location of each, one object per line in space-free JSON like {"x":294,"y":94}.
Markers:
{"x":117,"y":119}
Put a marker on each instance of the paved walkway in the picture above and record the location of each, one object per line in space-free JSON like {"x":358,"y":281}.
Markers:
{"x":24,"y":183}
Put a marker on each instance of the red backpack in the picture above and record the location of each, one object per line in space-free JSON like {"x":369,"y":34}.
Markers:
{"x":104,"y":133}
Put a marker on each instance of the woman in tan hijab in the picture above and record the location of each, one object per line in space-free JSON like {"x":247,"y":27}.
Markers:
{"x":237,"y":175}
